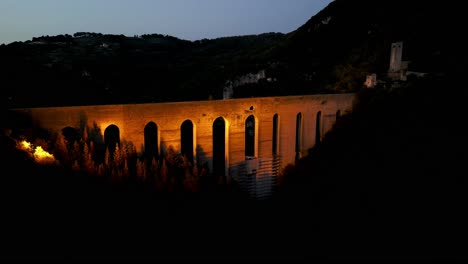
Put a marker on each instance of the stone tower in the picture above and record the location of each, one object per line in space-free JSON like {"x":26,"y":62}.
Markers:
{"x":398,"y":68}
{"x":396,"y":56}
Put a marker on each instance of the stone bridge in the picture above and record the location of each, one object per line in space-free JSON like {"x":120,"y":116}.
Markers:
{"x":220,"y":133}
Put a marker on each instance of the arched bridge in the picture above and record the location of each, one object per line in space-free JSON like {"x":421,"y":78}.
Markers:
{"x":222,"y":133}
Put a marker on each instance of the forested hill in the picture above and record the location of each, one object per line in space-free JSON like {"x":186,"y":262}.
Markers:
{"x":332,"y":52}
{"x":94,"y":68}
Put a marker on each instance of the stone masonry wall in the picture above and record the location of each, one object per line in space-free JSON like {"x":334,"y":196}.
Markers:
{"x":131,"y":120}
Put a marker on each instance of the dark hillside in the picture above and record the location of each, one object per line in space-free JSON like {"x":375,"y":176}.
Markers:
{"x":389,"y":176}
{"x":332,"y":52}
{"x":92,"y":68}
{"x":349,"y":39}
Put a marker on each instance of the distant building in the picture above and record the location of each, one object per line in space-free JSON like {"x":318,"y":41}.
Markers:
{"x":249,"y":78}
{"x":371,"y":80}
{"x":398,"y":68}
{"x":396,"y":56}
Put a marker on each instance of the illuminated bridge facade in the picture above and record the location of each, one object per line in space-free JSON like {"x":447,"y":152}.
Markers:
{"x":220,"y":133}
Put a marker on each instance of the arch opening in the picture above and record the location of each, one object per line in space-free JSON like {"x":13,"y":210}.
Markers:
{"x":71,"y":136}
{"x":298,"y":136}
{"x":250,"y":137}
{"x":112,"y":138}
{"x":151,"y":141}
{"x":275,"y":139}
{"x":318,"y":128}
{"x":219,"y":147}
{"x":187,"y":140}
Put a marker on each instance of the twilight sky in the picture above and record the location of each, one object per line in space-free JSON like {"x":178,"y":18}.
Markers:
{"x":22,"y":20}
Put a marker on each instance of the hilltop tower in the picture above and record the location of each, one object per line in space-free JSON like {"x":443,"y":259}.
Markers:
{"x":396,"y":56}
{"x":398,"y":68}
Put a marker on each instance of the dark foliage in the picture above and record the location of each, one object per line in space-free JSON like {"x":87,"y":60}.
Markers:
{"x":388,"y":180}
{"x":92,"y":68}
{"x":51,"y":212}
{"x":385,"y":183}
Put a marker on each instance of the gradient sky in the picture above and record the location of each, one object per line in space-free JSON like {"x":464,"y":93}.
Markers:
{"x":22,"y":20}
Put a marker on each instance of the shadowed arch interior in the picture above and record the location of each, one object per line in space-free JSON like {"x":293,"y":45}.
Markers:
{"x":219,"y":147}
{"x":275,"y":139}
{"x":318,"y":127}
{"x":250,"y":136}
{"x":71,"y":135}
{"x":112,"y":137}
{"x":151,"y":141}
{"x":298,"y":135}
{"x":186,"y":140}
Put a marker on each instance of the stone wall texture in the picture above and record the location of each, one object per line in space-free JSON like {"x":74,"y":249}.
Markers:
{"x":131,"y":120}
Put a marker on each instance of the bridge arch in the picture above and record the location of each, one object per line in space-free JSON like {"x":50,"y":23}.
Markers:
{"x":220,"y":147}
{"x":275,"y":136}
{"x":112,"y":137}
{"x":151,"y":134}
{"x":71,"y":135}
{"x":318,"y":127}
{"x":188,"y":140}
{"x":251,"y":138}
{"x":299,"y":142}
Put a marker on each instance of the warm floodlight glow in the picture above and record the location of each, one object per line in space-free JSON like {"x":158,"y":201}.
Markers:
{"x":40,"y":155}
{"x":24,"y":145}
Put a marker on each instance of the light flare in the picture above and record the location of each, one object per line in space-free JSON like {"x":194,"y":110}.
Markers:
{"x":38,"y":153}
{"x":42,"y":156}
{"x":24,"y":145}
